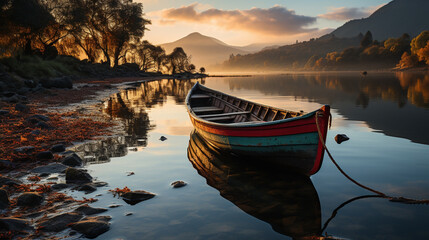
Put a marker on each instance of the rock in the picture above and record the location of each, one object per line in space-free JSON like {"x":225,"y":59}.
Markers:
{"x":99,"y":184}
{"x":59,"y":186}
{"x":29,"y":199}
{"x":45,"y":155}
{"x":114,"y":205}
{"x":162,"y":138}
{"x":87,"y":210}
{"x":92,"y":227}
{"x":60,"y":222}
{"x":87,"y":188}
{"x":4,"y":199}
{"x":3,"y":112}
{"x":62,"y":82}
{"x":7,"y":163}
{"x":74,"y":175}
{"x":341,"y":138}
{"x":178,"y":184}
{"x":50,"y":168}
{"x":8,"y":181}
{"x":30,"y":83}
{"x":40,"y":117}
{"x":14,"y":224}
{"x":13,"y":99}
{"x":43,"y":125}
{"x":135,"y":197}
{"x":98,"y":218}
{"x":32,"y":120}
{"x":25,"y":149}
{"x":22,"y":107}
{"x":58,"y":148}
{"x":72,"y":160}
{"x":36,"y":132}
{"x":44,"y":175}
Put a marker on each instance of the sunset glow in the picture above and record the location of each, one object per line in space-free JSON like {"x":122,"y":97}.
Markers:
{"x":248,"y":22}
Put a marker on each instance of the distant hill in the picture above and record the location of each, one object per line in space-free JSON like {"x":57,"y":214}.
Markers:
{"x":391,"y":20}
{"x":205,"y":51}
{"x":289,"y":56}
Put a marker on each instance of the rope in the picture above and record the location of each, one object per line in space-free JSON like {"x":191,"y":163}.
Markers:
{"x":334,"y":213}
{"x":392,"y":199}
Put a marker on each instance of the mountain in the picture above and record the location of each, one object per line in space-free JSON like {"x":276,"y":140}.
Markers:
{"x":391,"y":20}
{"x":205,"y":51}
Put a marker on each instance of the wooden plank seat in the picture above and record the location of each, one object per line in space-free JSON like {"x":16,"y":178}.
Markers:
{"x":220,"y":119}
{"x":223,"y":114}
{"x":207,"y":110}
{"x":200,"y":96}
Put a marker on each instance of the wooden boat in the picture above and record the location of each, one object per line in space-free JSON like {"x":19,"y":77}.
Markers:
{"x":258,"y":131}
{"x":285,"y":199}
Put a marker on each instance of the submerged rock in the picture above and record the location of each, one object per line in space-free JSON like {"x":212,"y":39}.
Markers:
{"x":87,"y":210}
{"x":178,"y":184}
{"x":72,"y":160}
{"x":58,"y":148}
{"x":14,"y":224}
{"x":92,"y":227}
{"x":60,"y":222}
{"x":24,"y":149}
{"x":341,"y":138}
{"x":4,"y":199}
{"x":4,"y":112}
{"x":135,"y":197}
{"x":74,"y":175}
{"x":8,"y":181}
{"x":87,"y":188}
{"x":50,"y":168}
{"x":30,"y":199}
{"x":43,"y":125}
{"x":45,"y":155}
{"x":22,"y":107}
{"x":60,"y":186}
{"x":162,"y":138}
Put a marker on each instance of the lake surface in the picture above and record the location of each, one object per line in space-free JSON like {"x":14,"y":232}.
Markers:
{"x":386,"y":117}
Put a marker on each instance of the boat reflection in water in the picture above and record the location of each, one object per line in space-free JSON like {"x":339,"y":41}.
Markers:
{"x":286,"y":200}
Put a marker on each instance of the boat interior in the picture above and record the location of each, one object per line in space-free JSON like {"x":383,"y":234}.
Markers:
{"x":223,"y":108}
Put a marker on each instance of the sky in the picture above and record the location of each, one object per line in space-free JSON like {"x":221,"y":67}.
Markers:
{"x":245,"y":22}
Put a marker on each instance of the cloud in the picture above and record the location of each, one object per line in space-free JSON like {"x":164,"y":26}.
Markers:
{"x":343,"y":13}
{"x":272,"y":21}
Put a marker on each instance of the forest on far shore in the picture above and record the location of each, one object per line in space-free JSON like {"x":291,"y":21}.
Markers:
{"x":332,"y":53}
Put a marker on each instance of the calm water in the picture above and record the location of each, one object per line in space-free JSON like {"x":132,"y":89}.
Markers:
{"x":385,"y":116}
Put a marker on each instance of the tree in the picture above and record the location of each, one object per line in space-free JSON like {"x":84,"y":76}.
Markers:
{"x":178,"y":60}
{"x":366,"y":40}
{"x":158,"y":56}
{"x":423,"y":54}
{"x":111,"y":25}
{"x":202,"y":70}
{"x":191,"y":68}
{"x":407,"y":61}
{"x":419,"y":42}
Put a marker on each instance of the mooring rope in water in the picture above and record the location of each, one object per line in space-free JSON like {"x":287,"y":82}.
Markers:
{"x":392,"y":199}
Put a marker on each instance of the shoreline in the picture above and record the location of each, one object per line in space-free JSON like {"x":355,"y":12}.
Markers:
{"x":71,"y":119}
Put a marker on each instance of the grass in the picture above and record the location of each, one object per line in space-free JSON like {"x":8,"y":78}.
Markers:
{"x":35,"y":67}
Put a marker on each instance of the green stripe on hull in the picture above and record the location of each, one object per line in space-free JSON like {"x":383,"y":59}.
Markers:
{"x":277,"y":141}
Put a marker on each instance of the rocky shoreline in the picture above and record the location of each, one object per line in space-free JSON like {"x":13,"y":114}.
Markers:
{"x":36,"y":166}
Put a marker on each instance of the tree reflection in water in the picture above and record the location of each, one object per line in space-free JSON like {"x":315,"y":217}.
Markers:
{"x":129,"y":108}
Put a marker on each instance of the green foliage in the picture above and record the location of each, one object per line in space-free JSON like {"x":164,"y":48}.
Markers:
{"x":34,"y":66}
